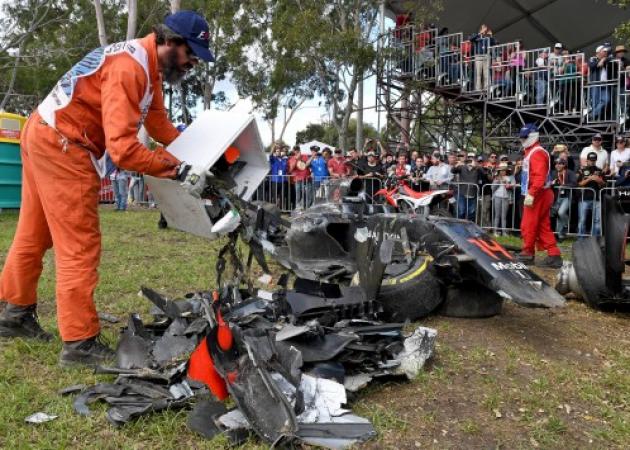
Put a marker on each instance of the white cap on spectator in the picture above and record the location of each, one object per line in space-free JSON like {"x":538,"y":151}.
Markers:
{"x":599,"y":49}
{"x":558,"y":45}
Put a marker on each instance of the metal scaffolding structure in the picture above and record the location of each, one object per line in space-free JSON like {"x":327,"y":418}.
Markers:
{"x":438,"y":86}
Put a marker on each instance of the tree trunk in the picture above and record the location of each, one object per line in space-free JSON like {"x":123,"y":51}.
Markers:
{"x":100,"y":23}
{"x":9,"y":90}
{"x":176,"y":5}
{"x":359,"y":139}
{"x":132,"y":20}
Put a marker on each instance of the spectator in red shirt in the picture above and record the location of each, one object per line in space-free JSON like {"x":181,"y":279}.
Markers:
{"x":337,"y":166}
{"x":300,"y":171}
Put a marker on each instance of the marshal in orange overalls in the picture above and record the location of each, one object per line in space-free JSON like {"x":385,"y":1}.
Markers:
{"x":99,"y":104}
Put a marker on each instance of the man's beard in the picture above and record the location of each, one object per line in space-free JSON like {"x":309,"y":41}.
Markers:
{"x":170,"y":69}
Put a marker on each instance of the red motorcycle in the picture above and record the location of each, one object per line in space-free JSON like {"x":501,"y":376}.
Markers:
{"x":397,"y":193}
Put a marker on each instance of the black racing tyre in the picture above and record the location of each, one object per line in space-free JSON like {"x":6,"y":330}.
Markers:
{"x":412,"y":294}
{"x":590,"y":270}
{"x":471,"y":300}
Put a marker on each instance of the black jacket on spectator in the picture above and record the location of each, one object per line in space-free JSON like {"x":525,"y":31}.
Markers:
{"x":480,"y":43}
{"x":586,"y":172}
{"x":570,"y":180}
{"x":365,"y":168}
{"x":468,"y":174}
{"x":595,"y":71}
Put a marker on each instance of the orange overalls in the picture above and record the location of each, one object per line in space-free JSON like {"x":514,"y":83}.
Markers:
{"x":99,"y":104}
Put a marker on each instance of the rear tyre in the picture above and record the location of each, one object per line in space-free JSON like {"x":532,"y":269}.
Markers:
{"x":471,"y":300}
{"x":412,"y":294}
{"x":590,"y":270}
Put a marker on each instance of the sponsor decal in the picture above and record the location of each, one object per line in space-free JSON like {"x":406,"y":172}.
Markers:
{"x":491,"y":248}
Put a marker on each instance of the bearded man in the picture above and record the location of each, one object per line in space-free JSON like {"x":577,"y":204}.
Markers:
{"x":99,"y":104}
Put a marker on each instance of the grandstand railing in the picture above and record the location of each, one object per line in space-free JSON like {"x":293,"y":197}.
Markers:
{"x":508,"y":73}
{"x":534,"y":79}
{"x":567,"y":86}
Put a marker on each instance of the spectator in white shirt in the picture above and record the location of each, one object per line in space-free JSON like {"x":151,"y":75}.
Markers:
{"x":439,"y":174}
{"x":619,"y":155}
{"x":596,"y":147}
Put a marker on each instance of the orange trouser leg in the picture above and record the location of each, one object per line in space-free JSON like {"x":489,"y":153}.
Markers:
{"x":23,"y":265}
{"x":68,"y":188}
{"x":546,"y":240}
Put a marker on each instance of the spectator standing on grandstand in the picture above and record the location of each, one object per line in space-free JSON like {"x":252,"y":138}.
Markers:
{"x":481,"y":41}
{"x":439,"y":174}
{"x":556,"y":60}
{"x":595,"y":147}
{"x":562,"y":180}
{"x":540,"y":81}
{"x":503,"y":184}
{"x":279,"y":182}
{"x":298,"y":166}
{"x":619,"y":155}
{"x":470,"y":175}
{"x":537,"y":201}
{"x":337,"y":165}
{"x":590,"y":176}
{"x":620,"y":56}
{"x":601,"y":69}
{"x":120,"y":185}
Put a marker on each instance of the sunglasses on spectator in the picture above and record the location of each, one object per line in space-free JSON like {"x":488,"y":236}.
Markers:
{"x":493,"y":156}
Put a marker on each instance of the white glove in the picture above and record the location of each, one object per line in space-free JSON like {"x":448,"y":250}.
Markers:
{"x":529,"y":200}
{"x":193,"y":179}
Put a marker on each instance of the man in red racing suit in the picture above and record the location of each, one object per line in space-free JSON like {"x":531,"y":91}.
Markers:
{"x":538,"y":198}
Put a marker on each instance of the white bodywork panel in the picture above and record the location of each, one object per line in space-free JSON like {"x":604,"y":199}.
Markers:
{"x":201,"y":145}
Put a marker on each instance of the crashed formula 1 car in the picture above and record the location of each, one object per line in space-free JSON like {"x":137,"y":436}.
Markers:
{"x":287,"y":358}
{"x":596,"y":271}
{"x":436,"y":261}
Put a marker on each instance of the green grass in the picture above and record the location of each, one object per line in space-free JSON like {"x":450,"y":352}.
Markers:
{"x":135,"y":253}
{"x":481,"y":367}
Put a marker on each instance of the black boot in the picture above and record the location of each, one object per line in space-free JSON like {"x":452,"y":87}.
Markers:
{"x":87,"y":352}
{"x":21,"y":321}
{"x":525,"y":258}
{"x":551,"y":262}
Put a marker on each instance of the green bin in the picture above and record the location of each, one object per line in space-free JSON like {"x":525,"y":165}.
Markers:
{"x":10,"y":161}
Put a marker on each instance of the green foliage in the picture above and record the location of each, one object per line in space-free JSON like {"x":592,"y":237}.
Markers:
{"x":327,"y":132}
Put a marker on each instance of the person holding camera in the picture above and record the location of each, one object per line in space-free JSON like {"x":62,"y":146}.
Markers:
{"x":562,"y":180}
{"x":470,"y":175}
{"x":502,"y":194}
{"x":592,"y":177}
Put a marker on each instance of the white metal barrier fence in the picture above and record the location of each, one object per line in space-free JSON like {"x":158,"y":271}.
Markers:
{"x":567,"y":86}
{"x":533,"y":86}
{"x":289,"y":194}
{"x":503,"y":71}
{"x":449,"y":59}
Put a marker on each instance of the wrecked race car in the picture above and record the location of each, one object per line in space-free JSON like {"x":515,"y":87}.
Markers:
{"x":598,"y":264}
{"x":436,"y":262}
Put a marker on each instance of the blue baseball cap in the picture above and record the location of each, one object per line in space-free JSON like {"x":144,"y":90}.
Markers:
{"x":194,"y":28}
{"x":527,"y":130}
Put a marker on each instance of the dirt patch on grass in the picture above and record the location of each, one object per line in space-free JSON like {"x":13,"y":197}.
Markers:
{"x":527,"y":378}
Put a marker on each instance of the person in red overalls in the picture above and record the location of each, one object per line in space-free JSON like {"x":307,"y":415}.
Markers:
{"x":538,"y":198}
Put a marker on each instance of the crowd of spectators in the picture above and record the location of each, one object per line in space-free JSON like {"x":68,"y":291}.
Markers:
{"x":541,"y":77}
{"x":486,"y":188}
